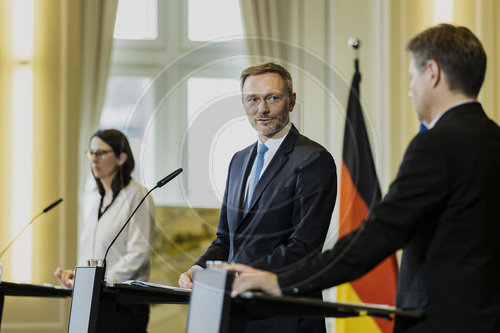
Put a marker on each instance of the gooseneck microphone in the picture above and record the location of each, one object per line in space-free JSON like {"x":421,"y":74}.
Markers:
{"x":312,"y":157}
{"x":168,"y":178}
{"x":158,"y":185}
{"x":49,"y":207}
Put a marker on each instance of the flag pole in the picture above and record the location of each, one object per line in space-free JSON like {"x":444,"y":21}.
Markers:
{"x":354,"y":43}
{"x":359,"y":190}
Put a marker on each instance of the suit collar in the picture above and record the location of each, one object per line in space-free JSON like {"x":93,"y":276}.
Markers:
{"x":457,"y":110}
{"x":436,"y":119}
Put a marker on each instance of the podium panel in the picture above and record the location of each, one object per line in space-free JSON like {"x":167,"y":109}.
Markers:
{"x":212,"y":310}
{"x":86,"y":299}
{"x":94,"y":301}
{"x":210,"y":305}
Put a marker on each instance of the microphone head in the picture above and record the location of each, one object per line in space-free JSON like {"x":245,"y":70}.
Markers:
{"x":169,"y":178}
{"x":54,"y":204}
{"x":158,"y":185}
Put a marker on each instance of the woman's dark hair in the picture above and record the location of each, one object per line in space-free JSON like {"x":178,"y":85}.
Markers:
{"x":119,"y":143}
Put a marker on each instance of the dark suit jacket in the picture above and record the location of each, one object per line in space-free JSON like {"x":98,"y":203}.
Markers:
{"x":443,"y":209}
{"x":289,"y":213}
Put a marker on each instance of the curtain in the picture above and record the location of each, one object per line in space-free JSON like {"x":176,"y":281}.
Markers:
{"x":266,"y":21}
{"x":98,"y":26}
{"x":98,"y":23}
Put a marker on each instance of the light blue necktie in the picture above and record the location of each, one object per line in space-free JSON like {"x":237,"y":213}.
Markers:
{"x":261,"y":151}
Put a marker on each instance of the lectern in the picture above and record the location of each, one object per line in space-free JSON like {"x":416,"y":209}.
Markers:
{"x":86,"y":301}
{"x":212,"y":310}
{"x":94,"y":301}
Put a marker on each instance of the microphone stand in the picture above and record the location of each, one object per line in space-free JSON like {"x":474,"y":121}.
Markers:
{"x":48,"y":208}
{"x":89,"y":311}
{"x":158,"y":185}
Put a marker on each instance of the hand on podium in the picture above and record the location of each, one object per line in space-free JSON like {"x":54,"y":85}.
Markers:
{"x":250,"y":278}
{"x":65,"y":276}
{"x":186,"y":278}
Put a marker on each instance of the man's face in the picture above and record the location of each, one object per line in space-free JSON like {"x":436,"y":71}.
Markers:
{"x":267,"y":103}
{"x":417,"y":93}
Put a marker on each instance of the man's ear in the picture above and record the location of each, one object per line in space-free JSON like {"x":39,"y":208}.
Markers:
{"x":435,"y":73}
{"x":293,"y":98}
{"x":123,"y":159}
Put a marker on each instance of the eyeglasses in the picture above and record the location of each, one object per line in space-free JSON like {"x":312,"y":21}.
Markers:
{"x":98,"y":153}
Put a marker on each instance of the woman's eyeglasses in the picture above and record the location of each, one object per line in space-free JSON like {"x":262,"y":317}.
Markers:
{"x":98,"y":153}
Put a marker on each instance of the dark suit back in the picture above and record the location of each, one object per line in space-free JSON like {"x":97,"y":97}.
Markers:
{"x":451,"y":265}
{"x":443,"y":209}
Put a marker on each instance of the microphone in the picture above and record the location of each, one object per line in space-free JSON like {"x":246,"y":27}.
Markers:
{"x":158,"y":185}
{"x":168,"y":178}
{"x":57,"y":202}
{"x":312,"y":157}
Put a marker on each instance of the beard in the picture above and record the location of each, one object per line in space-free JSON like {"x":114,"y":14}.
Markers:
{"x":276,"y":125}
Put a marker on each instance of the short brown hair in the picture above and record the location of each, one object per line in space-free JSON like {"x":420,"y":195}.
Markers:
{"x":457,"y":51}
{"x":269,"y":67}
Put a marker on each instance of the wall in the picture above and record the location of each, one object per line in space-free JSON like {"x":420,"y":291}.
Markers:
{"x":54,"y":159}
{"x":408,"y":18}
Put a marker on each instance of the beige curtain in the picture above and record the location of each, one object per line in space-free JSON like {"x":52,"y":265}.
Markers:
{"x":72,"y":48}
{"x":98,"y":23}
{"x":98,"y":26}
{"x":267,"y":21}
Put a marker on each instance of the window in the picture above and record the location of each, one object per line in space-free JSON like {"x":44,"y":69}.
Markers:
{"x":122,"y":94}
{"x":22,"y":134}
{"x":205,"y":23}
{"x":219,"y":134}
{"x":179,"y":95}
{"x":137,"y":20}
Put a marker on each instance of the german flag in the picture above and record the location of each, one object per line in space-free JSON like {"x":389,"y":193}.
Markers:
{"x":359,"y":189}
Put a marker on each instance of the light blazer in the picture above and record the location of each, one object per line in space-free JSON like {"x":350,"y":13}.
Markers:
{"x":443,"y":209}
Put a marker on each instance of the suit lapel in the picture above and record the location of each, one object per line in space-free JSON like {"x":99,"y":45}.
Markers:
{"x":242,"y":181}
{"x":276,"y":164}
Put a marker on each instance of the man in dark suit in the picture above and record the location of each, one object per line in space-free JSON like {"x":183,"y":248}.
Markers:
{"x":280,"y":192}
{"x":443,"y":208}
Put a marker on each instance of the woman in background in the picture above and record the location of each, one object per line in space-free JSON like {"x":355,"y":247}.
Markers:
{"x":112,"y":164}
